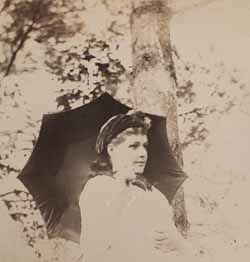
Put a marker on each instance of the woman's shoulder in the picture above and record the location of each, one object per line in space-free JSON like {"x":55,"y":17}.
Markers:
{"x":100,"y":180}
{"x":159,"y":196}
{"x":98,"y":185}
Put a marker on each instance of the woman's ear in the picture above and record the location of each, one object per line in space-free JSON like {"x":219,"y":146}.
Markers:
{"x":110,"y":149}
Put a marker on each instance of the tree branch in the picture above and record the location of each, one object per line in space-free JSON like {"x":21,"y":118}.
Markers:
{"x":19,"y":47}
{"x":9,"y":168}
{"x":23,"y":40}
{"x":15,"y":192}
{"x":5,"y":5}
{"x":112,"y":29}
{"x":197,"y":111}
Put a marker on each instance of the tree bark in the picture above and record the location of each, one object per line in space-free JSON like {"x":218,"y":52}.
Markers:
{"x":154,"y":82}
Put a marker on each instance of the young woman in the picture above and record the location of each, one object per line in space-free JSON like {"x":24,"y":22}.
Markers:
{"x":124,"y":218}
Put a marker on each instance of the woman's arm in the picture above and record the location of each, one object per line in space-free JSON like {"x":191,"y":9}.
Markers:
{"x":96,"y":218}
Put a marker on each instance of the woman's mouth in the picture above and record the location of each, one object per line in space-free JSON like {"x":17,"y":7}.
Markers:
{"x":140,"y":163}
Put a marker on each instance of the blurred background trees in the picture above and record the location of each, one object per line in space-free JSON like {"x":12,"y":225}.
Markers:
{"x":57,"y":55}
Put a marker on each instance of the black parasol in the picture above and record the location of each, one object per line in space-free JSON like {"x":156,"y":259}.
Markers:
{"x":59,"y":165}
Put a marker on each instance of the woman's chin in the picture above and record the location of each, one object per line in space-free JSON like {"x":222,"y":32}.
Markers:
{"x":139,"y":171}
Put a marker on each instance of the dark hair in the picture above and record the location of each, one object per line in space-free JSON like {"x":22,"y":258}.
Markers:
{"x":127,"y":132}
{"x":101,"y":166}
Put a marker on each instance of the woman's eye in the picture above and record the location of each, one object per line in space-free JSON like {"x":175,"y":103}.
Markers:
{"x":133,"y":146}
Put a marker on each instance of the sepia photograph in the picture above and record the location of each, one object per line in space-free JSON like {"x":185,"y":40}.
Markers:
{"x":124,"y":130}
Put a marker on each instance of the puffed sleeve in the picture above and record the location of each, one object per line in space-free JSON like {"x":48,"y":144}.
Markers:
{"x":96,"y":220}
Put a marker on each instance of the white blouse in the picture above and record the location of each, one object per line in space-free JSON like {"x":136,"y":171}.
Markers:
{"x":119,"y":222}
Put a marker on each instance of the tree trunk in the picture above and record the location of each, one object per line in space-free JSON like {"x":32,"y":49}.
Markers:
{"x":153,"y":82}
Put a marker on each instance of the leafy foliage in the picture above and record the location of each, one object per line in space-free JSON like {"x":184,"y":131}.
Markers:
{"x":91,"y":69}
{"x":41,"y":20}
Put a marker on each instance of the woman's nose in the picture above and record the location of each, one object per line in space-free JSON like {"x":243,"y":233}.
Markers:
{"x":142,"y":152}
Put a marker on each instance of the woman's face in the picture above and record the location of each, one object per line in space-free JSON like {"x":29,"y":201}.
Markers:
{"x":129,"y":156}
